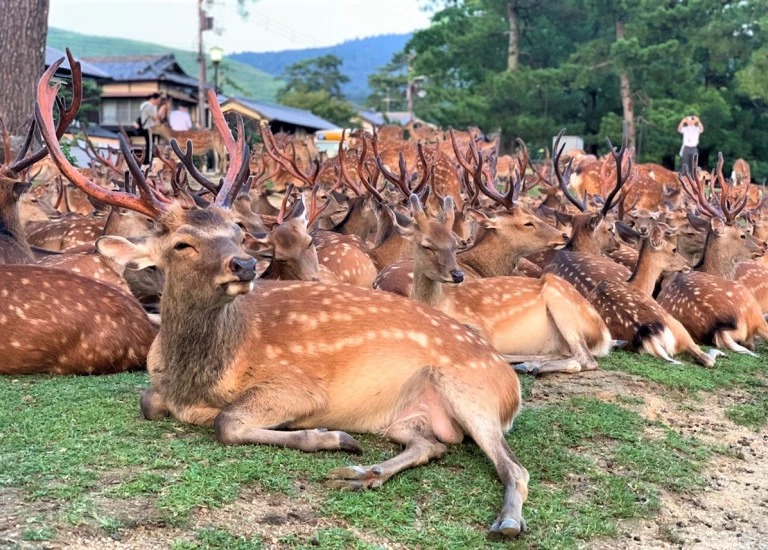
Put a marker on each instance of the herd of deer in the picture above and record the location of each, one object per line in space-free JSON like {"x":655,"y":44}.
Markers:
{"x":275,"y":325}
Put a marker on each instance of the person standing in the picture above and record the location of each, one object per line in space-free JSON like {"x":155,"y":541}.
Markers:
{"x":691,"y":128}
{"x":180,"y":119}
{"x":148,"y":120}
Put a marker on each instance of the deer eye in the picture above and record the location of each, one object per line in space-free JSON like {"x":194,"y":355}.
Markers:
{"x":530,"y":224}
{"x":181,"y":246}
{"x":674,"y":251}
{"x":743,"y":237}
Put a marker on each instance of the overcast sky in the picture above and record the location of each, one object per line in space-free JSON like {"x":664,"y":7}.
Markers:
{"x":271,"y":24}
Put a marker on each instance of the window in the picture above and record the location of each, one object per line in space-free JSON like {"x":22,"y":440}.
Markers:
{"x":115,"y":111}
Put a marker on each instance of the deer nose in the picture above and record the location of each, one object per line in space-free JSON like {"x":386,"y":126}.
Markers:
{"x":566,"y":236}
{"x":643,"y":231}
{"x":243,"y":268}
{"x":457,"y":276}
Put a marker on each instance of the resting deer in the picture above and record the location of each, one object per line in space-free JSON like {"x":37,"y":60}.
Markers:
{"x":633,"y":315}
{"x":580,"y":261}
{"x":711,"y":306}
{"x":250,"y":357}
{"x":54,"y":321}
{"x":546,"y":318}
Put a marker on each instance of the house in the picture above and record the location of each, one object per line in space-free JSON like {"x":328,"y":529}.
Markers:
{"x":368,"y":120}
{"x":133,"y":79}
{"x":64,"y":71}
{"x":281,"y":118}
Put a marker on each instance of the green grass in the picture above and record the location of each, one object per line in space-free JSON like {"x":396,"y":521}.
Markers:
{"x":80,"y":442}
{"x":237,"y":78}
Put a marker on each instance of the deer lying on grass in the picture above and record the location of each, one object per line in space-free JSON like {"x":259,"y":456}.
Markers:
{"x":545,"y":319}
{"x":633,"y":315}
{"x":54,"y":321}
{"x":249,"y":357}
{"x":712,"y":307}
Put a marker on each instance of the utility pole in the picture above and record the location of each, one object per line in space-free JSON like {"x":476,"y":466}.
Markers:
{"x":201,"y":79}
{"x":409,"y":89}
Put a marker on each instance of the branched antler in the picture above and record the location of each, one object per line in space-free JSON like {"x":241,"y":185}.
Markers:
{"x":564,"y":177}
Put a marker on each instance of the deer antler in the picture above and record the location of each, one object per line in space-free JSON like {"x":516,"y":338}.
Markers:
{"x":239,"y":154}
{"x":66,"y":116}
{"x":90,"y":150}
{"x":621,"y":178}
{"x":185,"y":158}
{"x":289,"y":164}
{"x":693,"y":185}
{"x":147,"y":203}
{"x":563,"y":178}
{"x":730,"y":212}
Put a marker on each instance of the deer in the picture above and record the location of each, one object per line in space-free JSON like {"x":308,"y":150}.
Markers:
{"x":713,"y":307}
{"x":532,"y":322}
{"x":247,"y":357}
{"x":580,"y":261}
{"x":502,"y":239}
{"x":54,"y":321}
{"x":631,"y":313}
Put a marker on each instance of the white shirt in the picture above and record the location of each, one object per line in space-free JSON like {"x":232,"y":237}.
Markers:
{"x":690,"y":135}
{"x":180,"y":121}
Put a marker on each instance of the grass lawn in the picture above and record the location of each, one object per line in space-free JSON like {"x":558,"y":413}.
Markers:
{"x":77,"y":458}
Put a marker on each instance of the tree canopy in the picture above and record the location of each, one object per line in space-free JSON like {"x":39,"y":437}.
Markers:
{"x":528,"y":68}
{"x":315,"y":85}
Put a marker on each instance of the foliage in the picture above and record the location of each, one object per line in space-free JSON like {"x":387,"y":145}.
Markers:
{"x":705,"y":56}
{"x":388,"y":85}
{"x":315,"y":85}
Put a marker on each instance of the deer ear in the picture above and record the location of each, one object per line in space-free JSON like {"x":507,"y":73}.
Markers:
{"x":448,"y":213}
{"x":657,"y":237}
{"x":626,"y":233}
{"x":594,"y":221}
{"x":258,"y":245}
{"x":19,"y":188}
{"x":564,"y":217}
{"x":481,"y":219}
{"x":124,"y":252}
{"x":717,"y":225}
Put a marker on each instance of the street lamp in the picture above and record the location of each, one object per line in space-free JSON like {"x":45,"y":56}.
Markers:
{"x":216,"y":54}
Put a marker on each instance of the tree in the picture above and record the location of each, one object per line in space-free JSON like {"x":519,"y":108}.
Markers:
{"x":311,"y":75}
{"x":23,"y":26}
{"x":388,"y":85}
{"x":315,"y":85}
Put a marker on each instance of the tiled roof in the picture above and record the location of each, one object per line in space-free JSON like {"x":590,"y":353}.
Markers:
{"x":52,"y":54}
{"x":283,"y":113}
{"x":143,"y":67}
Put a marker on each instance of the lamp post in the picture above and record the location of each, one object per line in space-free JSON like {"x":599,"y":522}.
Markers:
{"x":216,"y":54}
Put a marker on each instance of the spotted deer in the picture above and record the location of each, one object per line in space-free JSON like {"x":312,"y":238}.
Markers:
{"x":580,"y":261}
{"x":529,"y":321}
{"x":713,"y":307}
{"x":248,"y":357}
{"x":633,"y":315}
{"x":54,"y":321}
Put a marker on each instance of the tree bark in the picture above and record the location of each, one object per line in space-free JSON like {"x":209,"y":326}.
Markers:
{"x":625,"y":90}
{"x":23,"y":29}
{"x":513,"y":46}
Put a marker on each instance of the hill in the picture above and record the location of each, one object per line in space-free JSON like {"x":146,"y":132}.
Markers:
{"x":360,"y":57}
{"x":236,"y":78}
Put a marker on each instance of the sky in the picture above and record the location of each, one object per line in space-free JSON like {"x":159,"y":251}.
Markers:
{"x":271,"y":25}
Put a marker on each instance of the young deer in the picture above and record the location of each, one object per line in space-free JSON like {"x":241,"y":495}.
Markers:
{"x":277,"y":362}
{"x":542,"y":320}
{"x":711,"y":306}
{"x":633,"y":315}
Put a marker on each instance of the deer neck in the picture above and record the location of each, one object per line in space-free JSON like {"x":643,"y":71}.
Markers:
{"x":491,"y":255}
{"x":12,"y":233}
{"x":717,"y":258}
{"x":197,"y":341}
{"x":354,"y":223}
{"x":646,"y":272}
{"x":426,"y":290}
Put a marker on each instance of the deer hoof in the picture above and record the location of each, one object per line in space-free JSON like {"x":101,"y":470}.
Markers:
{"x":527,"y":368}
{"x":349,"y":444}
{"x":355,"y":478}
{"x":508,"y":527}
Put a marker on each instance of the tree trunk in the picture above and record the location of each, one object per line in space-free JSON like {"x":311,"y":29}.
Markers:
{"x":625,"y":89}
{"x":513,"y":47}
{"x":23,"y":28}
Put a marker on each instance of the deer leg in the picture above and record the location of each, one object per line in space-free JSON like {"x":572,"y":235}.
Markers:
{"x":254,"y":417}
{"x":655,"y":346}
{"x":724,"y":339}
{"x":421,"y":447}
{"x":153,"y":406}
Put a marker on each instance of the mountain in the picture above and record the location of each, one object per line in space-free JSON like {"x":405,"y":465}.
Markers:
{"x":236,"y":78}
{"x":360,"y":57}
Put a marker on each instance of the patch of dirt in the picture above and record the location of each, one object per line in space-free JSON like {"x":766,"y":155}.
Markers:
{"x":732,"y":511}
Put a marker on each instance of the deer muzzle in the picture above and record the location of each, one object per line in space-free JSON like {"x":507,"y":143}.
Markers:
{"x":243,"y":268}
